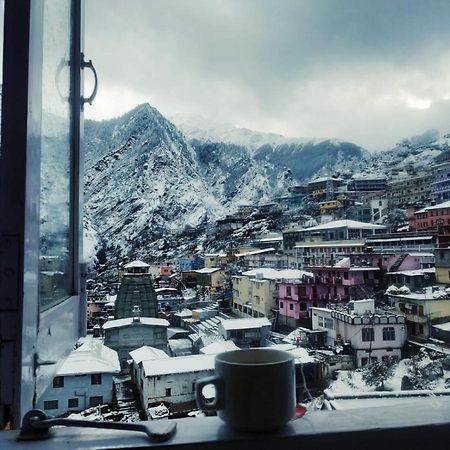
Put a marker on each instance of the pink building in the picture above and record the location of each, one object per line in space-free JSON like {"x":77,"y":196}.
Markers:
{"x":339,"y":283}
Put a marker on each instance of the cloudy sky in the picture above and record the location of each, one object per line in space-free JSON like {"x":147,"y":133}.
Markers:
{"x":371,"y":72}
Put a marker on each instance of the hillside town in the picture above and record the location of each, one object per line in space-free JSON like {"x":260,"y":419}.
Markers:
{"x":357,"y":289}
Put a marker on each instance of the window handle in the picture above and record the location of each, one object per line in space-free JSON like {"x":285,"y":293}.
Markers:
{"x":36,"y":425}
{"x":89,"y":65}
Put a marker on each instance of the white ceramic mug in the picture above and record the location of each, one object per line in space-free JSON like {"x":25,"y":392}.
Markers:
{"x":255,"y":389}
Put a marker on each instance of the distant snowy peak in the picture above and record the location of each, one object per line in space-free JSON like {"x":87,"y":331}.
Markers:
{"x":198,"y":128}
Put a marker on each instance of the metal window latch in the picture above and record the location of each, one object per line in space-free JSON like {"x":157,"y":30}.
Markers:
{"x":36,"y":425}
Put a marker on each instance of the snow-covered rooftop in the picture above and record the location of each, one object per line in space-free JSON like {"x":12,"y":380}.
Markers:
{"x":427,"y":293}
{"x":91,"y":357}
{"x":218,"y":347}
{"x":438,"y":206}
{"x":129,"y":321}
{"x":414,"y":273}
{"x":345,"y":223}
{"x":215,"y":255}
{"x":443,"y":326}
{"x":274,"y":274}
{"x":146,"y":353}
{"x":255,"y":252}
{"x":179,"y":364}
{"x":346,"y":243}
{"x":165,"y":289}
{"x":184,"y":313}
{"x":136,"y":263}
{"x":242,"y":324}
{"x":208,"y":270}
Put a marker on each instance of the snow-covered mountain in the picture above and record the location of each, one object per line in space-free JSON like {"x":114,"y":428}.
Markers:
{"x":146,"y":181}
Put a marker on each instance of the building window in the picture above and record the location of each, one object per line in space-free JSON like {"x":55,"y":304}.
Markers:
{"x":288,"y":291}
{"x":388,"y":334}
{"x":72,"y":403}
{"x":168,"y":392}
{"x":51,"y":404}
{"x":281,"y":305}
{"x":291,"y":307}
{"x":364,"y":361}
{"x":367,"y":334}
{"x":328,"y":323}
{"x":303,"y":306}
{"x":345,"y":275}
{"x":96,"y":378}
{"x":58,"y":382}
{"x":420,"y":329}
{"x":96,"y":400}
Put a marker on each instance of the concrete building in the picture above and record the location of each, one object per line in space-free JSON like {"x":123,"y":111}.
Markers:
{"x":323,"y":253}
{"x":189,"y":262}
{"x":213,"y":260}
{"x":430,"y":217}
{"x":266,"y":257}
{"x":126,"y":335}
{"x":336,"y":230}
{"x":213,"y":277}
{"x":254,"y":291}
{"x":402,"y":242}
{"x":338,"y":283}
{"x":172,"y":381}
{"x":440,"y":187}
{"x":367,"y":183}
{"x":84,"y":380}
{"x":373,"y":335}
{"x":410,"y":191}
{"x":422,"y":309}
{"x":442,"y":258}
{"x":246,"y":332}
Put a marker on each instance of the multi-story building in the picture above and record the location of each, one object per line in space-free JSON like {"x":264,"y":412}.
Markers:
{"x":215,"y":260}
{"x":254,"y":291}
{"x":440,"y":187}
{"x":422,"y":242}
{"x":373,"y":334}
{"x":85,"y":379}
{"x":442,"y":257}
{"x":430,"y":218}
{"x":367,"y":183}
{"x":125,"y":335}
{"x":318,"y":188}
{"x":422,"y":308}
{"x":410,"y":191}
{"x":338,"y":283}
{"x":331,"y":231}
{"x":267,"y":257}
{"x":251,"y":332}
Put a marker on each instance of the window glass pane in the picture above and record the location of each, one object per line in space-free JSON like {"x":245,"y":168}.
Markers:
{"x":56,"y":143}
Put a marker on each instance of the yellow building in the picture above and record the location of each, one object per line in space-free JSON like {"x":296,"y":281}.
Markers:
{"x":215,"y":260}
{"x":329,"y":205}
{"x":254,"y":292}
{"x":422,"y":309}
{"x":214,"y":277}
{"x":442,"y":262}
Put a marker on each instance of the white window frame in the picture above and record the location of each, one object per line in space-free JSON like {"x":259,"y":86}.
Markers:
{"x":36,"y":342}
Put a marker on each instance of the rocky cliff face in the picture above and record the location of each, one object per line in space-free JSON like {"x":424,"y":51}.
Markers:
{"x":146,"y":181}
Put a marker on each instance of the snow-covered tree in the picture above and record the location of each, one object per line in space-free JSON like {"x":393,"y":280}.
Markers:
{"x":378,"y":372}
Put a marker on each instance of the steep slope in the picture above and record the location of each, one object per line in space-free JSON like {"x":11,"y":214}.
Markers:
{"x":142,"y":180}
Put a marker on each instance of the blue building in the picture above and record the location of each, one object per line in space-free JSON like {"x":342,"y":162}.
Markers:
{"x":84,"y":380}
{"x":192,"y":262}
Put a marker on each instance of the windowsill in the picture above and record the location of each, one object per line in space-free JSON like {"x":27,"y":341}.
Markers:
{"x":412,"y":425}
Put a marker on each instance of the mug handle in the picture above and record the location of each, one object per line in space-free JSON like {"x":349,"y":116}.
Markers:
{"x":219,"y":401}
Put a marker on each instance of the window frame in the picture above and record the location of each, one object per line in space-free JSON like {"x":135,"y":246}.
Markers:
{"x":37,"y":347}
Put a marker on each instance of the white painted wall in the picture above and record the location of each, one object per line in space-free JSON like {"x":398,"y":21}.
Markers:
{"x":76,"y":386}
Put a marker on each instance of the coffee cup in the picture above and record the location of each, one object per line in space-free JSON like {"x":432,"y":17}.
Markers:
{"x":255,"y":389}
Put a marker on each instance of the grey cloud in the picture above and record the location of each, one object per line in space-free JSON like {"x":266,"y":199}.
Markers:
{"x":317,"y":67}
